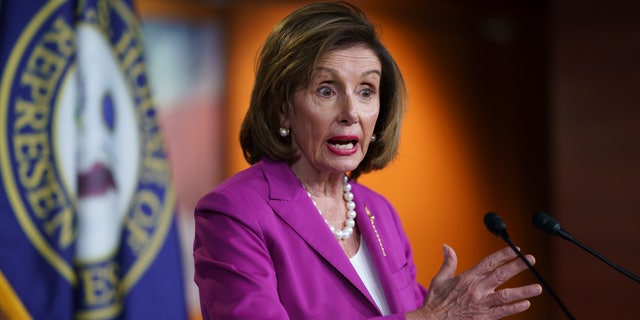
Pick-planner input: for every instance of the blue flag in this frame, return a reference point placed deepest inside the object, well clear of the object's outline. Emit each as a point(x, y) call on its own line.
point(87, 223)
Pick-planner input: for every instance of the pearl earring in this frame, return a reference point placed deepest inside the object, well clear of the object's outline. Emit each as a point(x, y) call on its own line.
point(284, 132)
point(373, 138)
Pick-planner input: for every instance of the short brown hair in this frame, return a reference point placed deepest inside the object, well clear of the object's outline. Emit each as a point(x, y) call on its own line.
point(287, 60)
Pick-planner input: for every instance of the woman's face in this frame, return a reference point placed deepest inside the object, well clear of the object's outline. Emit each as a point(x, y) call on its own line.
point(333, 116)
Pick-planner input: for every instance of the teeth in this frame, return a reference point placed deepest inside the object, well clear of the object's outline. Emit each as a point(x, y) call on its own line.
point(343, 146)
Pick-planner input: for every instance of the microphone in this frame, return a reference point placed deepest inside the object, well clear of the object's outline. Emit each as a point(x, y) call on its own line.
point(551, 226)
point(496, 225)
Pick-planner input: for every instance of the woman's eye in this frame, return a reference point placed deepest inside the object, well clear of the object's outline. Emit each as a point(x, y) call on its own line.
point(325, 91)
point(367, 93)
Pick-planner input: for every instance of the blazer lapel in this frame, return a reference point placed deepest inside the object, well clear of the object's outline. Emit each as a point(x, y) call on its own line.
point(290, 201)
point(370, 226)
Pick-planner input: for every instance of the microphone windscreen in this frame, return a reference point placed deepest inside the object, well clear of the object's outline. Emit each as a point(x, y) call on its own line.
point(546, 223)
point(494, 223)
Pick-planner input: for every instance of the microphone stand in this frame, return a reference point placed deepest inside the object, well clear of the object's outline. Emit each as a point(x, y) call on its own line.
point(549, 225)
point(496, 225)
point(555, 297)
point(569, 238)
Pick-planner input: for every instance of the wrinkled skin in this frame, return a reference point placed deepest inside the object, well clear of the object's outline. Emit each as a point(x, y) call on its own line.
point(472, 294)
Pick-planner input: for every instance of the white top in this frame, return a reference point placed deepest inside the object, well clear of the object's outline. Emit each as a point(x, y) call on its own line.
point(363, 264)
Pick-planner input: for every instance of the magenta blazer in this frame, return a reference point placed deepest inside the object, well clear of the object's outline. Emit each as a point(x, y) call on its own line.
point(262, 251)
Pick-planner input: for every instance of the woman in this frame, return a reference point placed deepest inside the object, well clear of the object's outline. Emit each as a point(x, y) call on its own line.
point(295, 236)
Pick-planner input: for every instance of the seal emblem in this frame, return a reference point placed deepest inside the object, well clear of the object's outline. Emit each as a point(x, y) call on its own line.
point(81, 156)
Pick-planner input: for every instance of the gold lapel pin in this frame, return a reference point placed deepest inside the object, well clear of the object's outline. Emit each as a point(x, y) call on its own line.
point(372, 218)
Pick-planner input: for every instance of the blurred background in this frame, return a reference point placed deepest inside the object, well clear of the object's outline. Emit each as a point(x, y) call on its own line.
point(514, 107)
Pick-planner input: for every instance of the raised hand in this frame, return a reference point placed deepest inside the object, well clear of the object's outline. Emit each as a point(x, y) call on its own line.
point(472, 294)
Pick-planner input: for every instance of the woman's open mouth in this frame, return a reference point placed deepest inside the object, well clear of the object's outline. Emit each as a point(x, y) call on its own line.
point(343, 145)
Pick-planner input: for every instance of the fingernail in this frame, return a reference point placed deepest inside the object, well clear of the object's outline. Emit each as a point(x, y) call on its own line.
point(538, 290)
point(445, 250)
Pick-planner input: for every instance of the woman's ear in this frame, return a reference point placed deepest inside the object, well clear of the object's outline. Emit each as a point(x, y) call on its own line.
point(284, 115)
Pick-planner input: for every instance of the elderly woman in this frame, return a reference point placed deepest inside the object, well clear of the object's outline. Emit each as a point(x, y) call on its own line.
point(295, 236)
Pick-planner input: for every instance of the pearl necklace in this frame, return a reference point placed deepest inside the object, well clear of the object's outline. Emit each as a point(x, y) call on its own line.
point(342, 234)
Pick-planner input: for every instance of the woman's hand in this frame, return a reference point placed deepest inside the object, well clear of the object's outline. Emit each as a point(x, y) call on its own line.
point(473, 294)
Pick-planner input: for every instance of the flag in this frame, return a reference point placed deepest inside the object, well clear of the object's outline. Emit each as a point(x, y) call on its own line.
point(87, 207)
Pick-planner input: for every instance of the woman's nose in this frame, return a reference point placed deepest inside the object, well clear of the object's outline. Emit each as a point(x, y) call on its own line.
point(349, 110)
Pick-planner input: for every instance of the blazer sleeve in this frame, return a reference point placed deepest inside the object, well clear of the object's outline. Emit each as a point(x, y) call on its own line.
point(233, 270)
